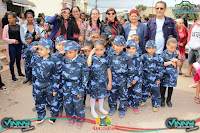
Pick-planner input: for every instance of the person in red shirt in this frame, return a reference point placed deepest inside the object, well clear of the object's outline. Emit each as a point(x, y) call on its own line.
point(182, 40)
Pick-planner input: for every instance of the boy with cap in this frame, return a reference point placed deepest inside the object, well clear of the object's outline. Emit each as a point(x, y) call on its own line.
point(27, 58)
point(44, 74)
point(58, 55)
point(153, 66)
point(118, 61)
point(75, 74)
point(135, 86)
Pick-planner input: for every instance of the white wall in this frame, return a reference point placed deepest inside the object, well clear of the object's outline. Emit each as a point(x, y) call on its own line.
point(48, 7)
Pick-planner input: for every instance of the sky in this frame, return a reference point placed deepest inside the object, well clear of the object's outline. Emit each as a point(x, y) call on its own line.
point(120, 5)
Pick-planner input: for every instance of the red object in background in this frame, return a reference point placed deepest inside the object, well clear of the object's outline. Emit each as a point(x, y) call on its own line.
point(96, 100)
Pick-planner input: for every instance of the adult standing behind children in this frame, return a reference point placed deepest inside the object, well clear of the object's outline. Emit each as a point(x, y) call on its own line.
point(111, 25)
point(75, 23)
point(60, 24)
point(134, 27)
point(11, 35)
point(29, 27)
point(160, 27)
point(92, 24)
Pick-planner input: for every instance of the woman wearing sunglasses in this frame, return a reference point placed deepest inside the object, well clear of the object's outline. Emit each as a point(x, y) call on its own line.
point(111, 24)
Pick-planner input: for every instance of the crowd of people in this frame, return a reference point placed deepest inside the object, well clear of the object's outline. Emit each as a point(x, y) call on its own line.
point(125, 61)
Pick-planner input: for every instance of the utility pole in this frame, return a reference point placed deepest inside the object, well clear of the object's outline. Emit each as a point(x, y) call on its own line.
point(96, 4)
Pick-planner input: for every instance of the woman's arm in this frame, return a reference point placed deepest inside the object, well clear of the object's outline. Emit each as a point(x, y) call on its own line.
point(22, 36)
point(6, 36)
point(52, 20)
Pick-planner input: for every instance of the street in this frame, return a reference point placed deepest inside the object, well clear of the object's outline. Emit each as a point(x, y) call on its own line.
point(17, 103)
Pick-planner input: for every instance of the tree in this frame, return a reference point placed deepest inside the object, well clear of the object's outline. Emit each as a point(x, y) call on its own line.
point(141, 8)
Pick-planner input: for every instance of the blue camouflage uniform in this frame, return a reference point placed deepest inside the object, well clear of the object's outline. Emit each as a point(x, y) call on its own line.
point(119, 68)
point(135, 91)
point(170, 73)
point(26, 55)
point(75, 74)
point(58, 62)
point(107, 49)
point(99, 77)
point(44, 75)
point(152, 72)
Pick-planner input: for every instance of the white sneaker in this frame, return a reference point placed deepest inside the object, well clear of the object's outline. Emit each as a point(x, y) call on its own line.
point(103, 111)
point(39, 121)
point(94, 114)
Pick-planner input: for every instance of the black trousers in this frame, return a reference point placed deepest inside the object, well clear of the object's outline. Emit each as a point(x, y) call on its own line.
point(1, 84)
point(163, 90)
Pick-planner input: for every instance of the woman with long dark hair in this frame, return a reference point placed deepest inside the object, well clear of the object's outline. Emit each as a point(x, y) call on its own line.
point(11, 35)
point(92, 24)
point(75, 23)
point(60, 24)
point(111, 25)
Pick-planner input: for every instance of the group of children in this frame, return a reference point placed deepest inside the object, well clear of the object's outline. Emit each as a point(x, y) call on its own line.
point(119, 71)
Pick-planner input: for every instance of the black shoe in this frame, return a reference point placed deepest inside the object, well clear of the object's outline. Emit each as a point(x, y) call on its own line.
point(163, 103)
point(52, 121)
point(169, 104)
point(21, 75)
point(14, 79)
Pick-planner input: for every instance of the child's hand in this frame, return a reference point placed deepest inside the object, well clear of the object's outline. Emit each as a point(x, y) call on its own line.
point(78, 96)
point(128, 86)
point(174, 60)
point(174, 64)
point(16, 42)
point(157, 82)
point(34, 47)
point(93, 51)
point(109, 86)
point(54, 93)
point(134, 81)
point(181, 44)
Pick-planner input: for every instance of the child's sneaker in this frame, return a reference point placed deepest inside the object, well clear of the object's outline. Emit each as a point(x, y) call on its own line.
point(25, 81)
point(39, 121)
point(112, 111)
point(155, 109)
point(52, 121)
point(71, 122)
point(94, 114)
point(121, 114)
point(103, 111)
point(136, 111)
point(79, 124)
point(142, 104)
point(128, 107)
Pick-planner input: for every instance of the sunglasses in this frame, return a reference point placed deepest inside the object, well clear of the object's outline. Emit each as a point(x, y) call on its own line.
point(111, 13)
point(160, 8)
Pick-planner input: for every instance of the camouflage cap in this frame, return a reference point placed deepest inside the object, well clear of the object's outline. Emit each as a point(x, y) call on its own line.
point(47, 43)
point(150, 43)
point(60, 39)
point(131, 43)
point(119, 40)
point(28, 35)
point(71, 45)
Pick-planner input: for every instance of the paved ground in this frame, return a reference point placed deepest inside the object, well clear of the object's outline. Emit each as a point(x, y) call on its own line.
point(17, 102)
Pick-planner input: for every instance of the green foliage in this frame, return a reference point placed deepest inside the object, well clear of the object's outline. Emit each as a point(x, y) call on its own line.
point(141, 8)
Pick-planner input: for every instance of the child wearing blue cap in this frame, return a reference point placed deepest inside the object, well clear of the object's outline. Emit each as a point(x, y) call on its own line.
point(135, 86)
point(44, 77)
point(100, 77)
point(153, 66)
point(27, 53)
point(58, 55)
point(118, 61)
point(75, 73)
point(170, 74)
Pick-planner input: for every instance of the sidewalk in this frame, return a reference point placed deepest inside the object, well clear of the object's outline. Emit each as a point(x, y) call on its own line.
point(17, 102)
